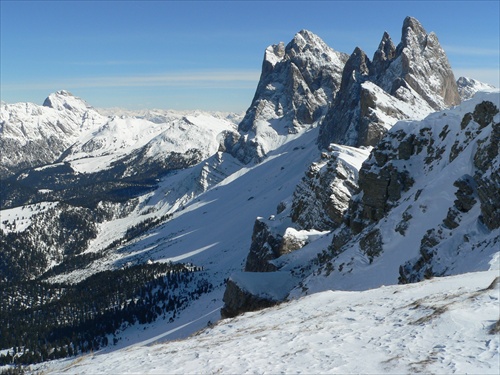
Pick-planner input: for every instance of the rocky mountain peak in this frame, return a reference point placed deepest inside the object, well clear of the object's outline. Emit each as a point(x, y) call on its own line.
point(273, 54)
point(412, 31)
point(305, 40)
point(384, 54)
point(62, 99)
point(425, 66)
point(414, 77)
point(356, 68)
point(297, 84)
point(386, 48)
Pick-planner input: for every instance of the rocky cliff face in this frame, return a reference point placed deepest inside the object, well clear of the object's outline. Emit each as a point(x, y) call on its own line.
point(425, 206)
point(323, 195)
point(476, 196)
point(415, 77)
point(297, 84)
point(444, 169)
point(406, 81)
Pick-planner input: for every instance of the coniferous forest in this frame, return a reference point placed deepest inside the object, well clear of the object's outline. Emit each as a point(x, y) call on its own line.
point(40, 321)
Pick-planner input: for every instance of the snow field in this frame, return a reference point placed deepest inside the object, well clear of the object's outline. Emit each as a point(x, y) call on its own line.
point(437, 326)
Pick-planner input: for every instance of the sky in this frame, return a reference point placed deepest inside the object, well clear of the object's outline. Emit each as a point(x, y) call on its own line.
point(208, 54)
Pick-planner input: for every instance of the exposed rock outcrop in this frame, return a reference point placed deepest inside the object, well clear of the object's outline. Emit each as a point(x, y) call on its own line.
point(237, 300)
point(481, 187)
point(265, 247)
point(416, 74)
point(322, 197)
point(298, 83)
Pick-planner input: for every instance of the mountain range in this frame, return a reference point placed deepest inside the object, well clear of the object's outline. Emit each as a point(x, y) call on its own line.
point(121, 229)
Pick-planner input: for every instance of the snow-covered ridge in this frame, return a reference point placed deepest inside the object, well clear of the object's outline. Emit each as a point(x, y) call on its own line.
point(67, 126)
point(445, 325)
point(122, 136)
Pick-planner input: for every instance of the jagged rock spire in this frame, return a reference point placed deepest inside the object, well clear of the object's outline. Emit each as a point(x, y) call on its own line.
point(416, 72)
point(297, 85)
point(384, 54)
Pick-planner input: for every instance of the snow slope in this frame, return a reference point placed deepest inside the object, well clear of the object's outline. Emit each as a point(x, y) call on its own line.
point(212, 231)
point(421, 209)
point(439, 326)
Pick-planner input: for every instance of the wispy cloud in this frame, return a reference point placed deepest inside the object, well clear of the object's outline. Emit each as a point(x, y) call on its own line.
point(113, 63)
point(201, 79)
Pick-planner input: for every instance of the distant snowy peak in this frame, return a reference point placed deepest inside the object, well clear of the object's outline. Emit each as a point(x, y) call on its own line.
point(467, 87)
point(138, 141)
point(415, 73)
point(34, 135)
point(63, 99)
point(67, 129)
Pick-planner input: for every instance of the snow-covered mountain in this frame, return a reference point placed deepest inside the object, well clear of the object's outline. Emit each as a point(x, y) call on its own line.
point(67, 129)
point(467, 87)
point(424, 206)
point(163, 220)
point(33, 135)
point(409, 80)
point(297, 85)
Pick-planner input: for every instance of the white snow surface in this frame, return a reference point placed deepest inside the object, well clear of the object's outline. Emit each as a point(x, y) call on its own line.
point(440, 326)
point(120, 136)
point(19, 218)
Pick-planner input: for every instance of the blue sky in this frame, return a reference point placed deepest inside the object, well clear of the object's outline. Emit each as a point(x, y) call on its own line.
point(208, 54)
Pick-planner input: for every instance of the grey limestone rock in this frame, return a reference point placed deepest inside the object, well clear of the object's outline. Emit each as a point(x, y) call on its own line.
point(237, 301)
point(322, 197)
point(265, 246)
point(417, 71)
point(298, 82)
